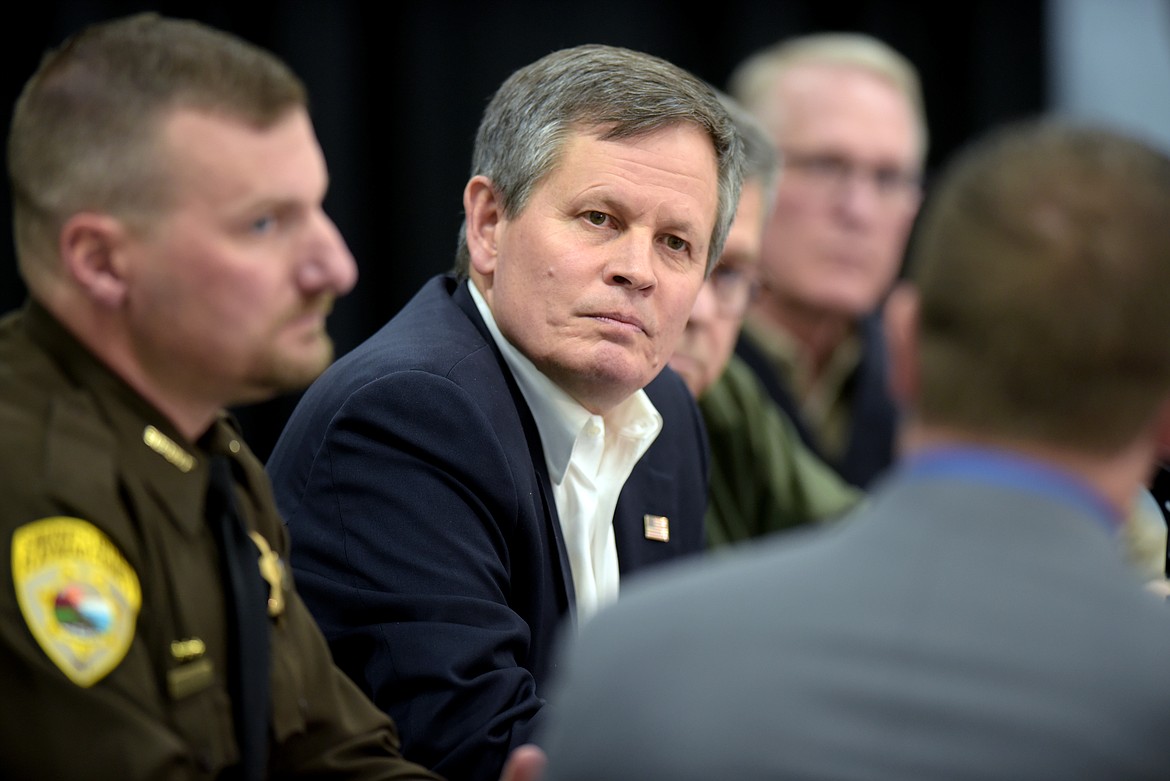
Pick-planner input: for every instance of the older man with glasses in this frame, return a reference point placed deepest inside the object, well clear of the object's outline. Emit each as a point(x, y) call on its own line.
point(763, 477)
point(846, 112)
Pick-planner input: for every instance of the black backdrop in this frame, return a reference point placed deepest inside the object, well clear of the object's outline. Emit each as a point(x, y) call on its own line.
point(397, 89)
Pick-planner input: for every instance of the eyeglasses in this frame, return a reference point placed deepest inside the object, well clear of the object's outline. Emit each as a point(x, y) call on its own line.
point(832, 173)
point(733, 288)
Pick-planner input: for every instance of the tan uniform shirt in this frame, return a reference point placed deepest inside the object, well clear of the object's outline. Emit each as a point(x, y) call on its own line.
point(825, 403)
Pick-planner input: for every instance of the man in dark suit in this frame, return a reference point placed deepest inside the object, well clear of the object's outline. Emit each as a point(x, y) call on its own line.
point(974, 619)
point(452, 485)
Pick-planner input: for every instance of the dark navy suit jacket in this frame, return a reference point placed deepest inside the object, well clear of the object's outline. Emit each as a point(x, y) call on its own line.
point(425, 537)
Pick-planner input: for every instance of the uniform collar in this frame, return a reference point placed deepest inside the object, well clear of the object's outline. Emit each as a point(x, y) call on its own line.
point(149, 448)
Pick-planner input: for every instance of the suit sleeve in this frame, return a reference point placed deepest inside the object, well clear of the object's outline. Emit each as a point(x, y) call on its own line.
point(407, 549)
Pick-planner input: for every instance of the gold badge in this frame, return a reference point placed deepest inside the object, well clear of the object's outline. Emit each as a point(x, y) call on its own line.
point(272, 570)
point(656, 527)
point(78, 594)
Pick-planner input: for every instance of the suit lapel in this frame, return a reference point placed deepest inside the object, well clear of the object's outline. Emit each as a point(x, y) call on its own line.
point(464, 301)
point(648, 493)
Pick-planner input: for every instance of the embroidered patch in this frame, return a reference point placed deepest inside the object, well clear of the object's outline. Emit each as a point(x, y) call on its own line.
point(79, 596)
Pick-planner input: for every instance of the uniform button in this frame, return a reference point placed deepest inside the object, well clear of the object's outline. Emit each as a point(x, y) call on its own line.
point(234, 446)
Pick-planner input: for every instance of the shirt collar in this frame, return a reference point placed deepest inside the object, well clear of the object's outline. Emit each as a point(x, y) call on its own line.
point(559, 417)
point(1012, 470)
point(147, 444)
point(786, 355)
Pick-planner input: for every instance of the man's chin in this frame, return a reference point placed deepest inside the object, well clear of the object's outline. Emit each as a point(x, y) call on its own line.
point(599, 387)
point(293, 373)
point(848, 301)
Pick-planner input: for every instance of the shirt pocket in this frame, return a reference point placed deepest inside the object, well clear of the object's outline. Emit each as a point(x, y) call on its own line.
point(201, 712)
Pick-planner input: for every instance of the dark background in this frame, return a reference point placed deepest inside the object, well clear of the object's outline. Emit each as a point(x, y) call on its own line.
point(396, 91)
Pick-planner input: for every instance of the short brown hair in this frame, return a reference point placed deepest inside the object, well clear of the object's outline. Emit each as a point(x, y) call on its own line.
point(84, 129)
point(1043, 262)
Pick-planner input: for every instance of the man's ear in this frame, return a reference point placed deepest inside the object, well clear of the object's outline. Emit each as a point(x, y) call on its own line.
point(91, 254)
point(484, 213)
point(901, 331)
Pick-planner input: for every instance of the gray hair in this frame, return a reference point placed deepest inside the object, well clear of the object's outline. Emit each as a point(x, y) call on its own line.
point(624, 93)
point(752, 80)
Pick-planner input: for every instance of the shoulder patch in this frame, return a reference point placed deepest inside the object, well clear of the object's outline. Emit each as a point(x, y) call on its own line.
point(78, 594)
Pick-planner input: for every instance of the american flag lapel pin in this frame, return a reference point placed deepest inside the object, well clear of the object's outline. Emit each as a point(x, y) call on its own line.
point(656, 527)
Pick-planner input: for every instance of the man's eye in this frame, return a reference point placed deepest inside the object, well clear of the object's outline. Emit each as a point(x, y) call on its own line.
point(596, 218)
point(891, 179)
point(827, 165)
point(675, 243)
point(263, 224)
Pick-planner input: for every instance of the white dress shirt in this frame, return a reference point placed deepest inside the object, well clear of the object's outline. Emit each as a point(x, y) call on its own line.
point(589, 458)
